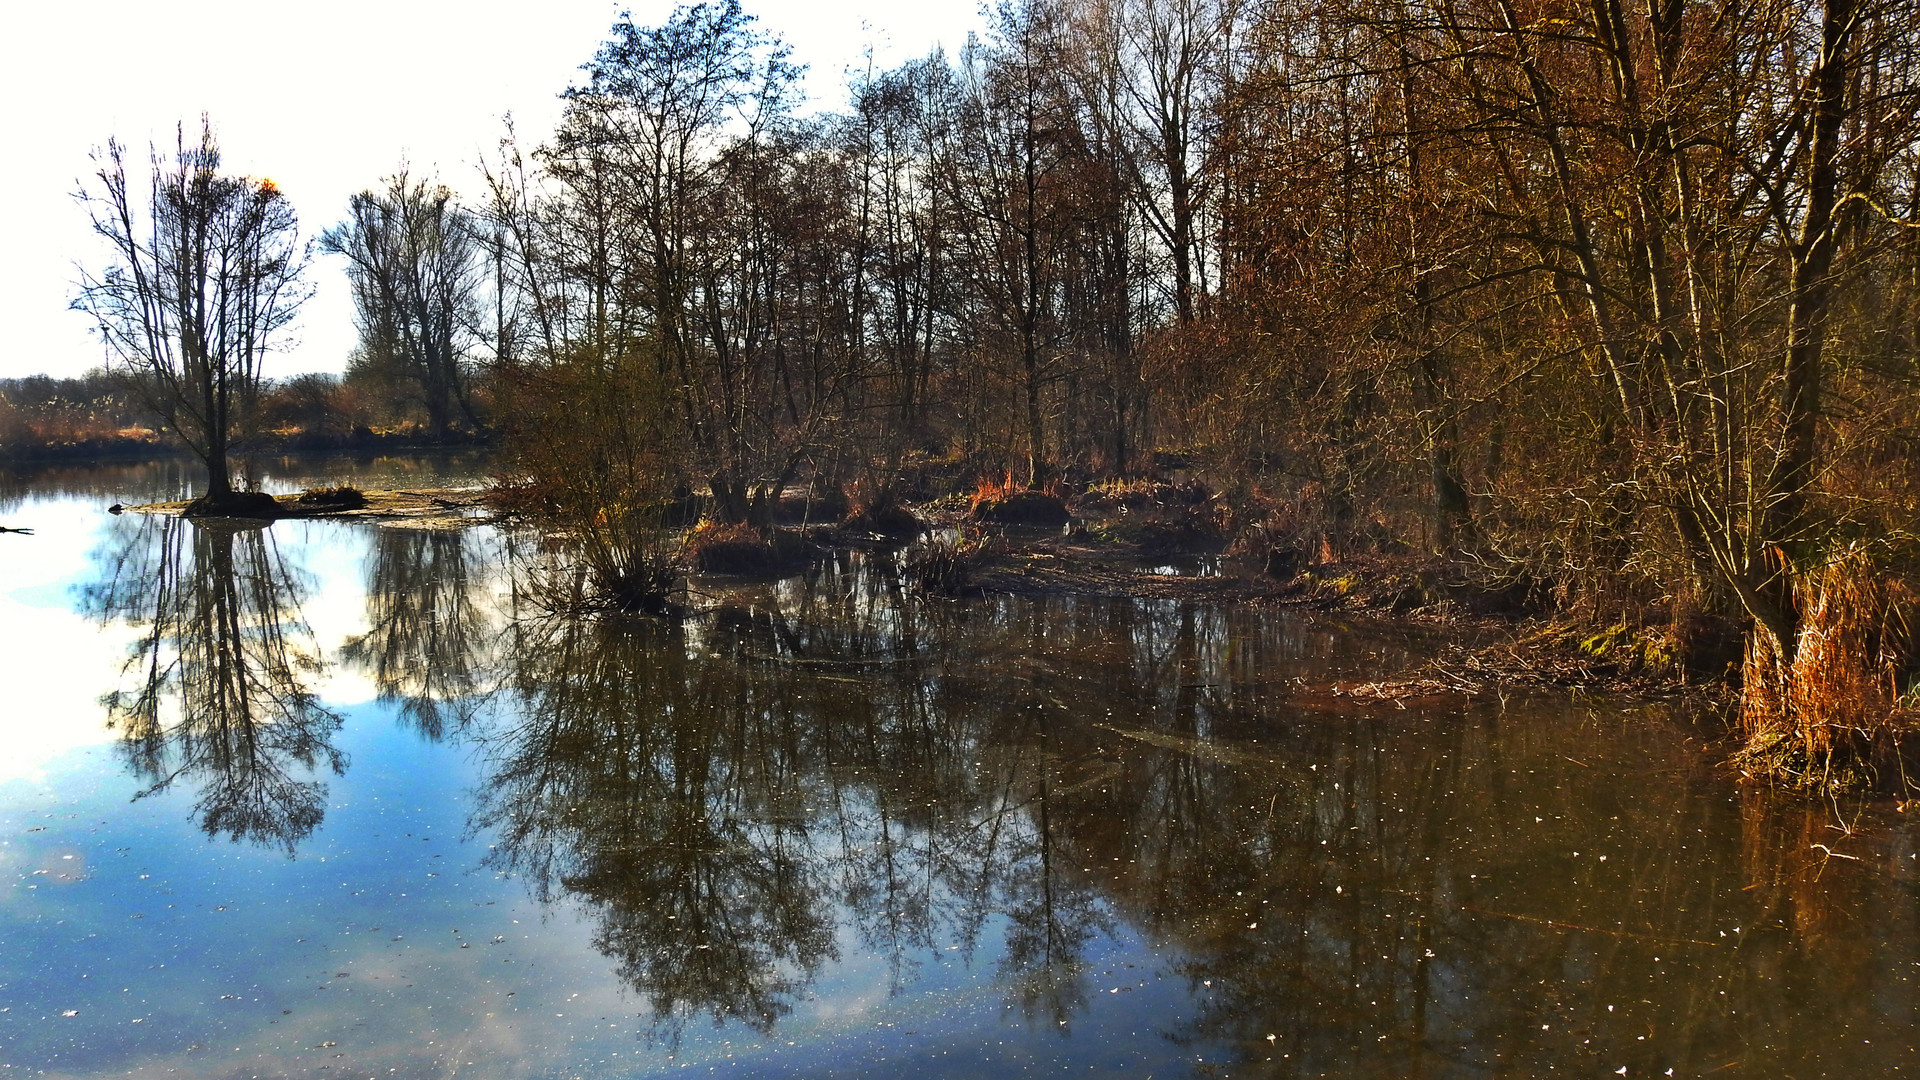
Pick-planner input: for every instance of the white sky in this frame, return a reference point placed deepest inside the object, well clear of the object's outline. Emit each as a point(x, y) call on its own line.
point(326, 99)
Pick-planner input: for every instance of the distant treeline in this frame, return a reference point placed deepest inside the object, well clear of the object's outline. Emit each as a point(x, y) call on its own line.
point(103, 414)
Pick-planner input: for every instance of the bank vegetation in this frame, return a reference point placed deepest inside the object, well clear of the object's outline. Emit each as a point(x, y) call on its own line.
point(1606, 309)
point(1609, 307)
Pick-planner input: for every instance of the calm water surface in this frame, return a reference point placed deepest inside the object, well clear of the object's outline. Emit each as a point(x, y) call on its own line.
point(333, 800)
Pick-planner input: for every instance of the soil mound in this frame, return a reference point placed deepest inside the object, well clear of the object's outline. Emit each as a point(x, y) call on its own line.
point(1021, 508)
point(743, 549)
point(890, 520)
point(333, 498)
point(238, 504)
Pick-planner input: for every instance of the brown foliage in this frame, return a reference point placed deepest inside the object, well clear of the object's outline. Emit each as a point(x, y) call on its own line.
point(1830, 711)
point(1007, 502)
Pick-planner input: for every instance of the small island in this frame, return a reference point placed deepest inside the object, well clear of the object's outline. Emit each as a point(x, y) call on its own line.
point(437, 508)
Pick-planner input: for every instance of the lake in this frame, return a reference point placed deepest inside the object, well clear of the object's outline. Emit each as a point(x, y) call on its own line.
point(330, 799)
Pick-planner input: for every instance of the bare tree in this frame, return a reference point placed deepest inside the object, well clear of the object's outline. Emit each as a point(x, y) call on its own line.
point(413, 260)
point(205, 272)
point(1153, 69)
point(1013, 202)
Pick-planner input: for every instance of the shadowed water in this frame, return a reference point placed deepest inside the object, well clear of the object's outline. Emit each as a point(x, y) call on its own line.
point(325, 799)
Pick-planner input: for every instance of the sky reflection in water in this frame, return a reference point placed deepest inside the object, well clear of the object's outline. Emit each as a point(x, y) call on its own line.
point(361, 812)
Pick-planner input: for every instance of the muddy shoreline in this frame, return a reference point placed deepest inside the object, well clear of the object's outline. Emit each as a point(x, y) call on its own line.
point(1488, 645)
point(431, 508)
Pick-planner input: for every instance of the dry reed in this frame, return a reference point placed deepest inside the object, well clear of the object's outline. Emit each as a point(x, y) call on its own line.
point(1831, 714)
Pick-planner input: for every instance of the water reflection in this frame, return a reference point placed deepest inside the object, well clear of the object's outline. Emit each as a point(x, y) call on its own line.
point(724, 794)
point(1081, 828)
point(428, 630)
point(150, 481)
point(215, 692)
point(658, 793)
point(1347, 891)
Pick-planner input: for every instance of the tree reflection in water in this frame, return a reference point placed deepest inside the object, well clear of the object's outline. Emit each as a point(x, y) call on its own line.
point(723, 793)
point(635, 779)
point(215, 690)
point(427, 630)
point(1341, 888)
point(825, 764)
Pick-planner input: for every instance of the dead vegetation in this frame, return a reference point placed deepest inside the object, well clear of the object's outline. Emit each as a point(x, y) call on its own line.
point(715, 547)
point(1006, 502)
point(1835, 707)
point(944, 565)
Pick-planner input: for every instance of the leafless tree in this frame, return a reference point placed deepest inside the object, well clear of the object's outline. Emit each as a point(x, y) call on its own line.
point(204, 275)
point(413, 258)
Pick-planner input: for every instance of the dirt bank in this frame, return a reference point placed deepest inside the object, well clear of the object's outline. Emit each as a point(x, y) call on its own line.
point(436, 508)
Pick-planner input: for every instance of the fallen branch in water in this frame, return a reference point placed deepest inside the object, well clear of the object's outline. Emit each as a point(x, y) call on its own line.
point(1558, 925)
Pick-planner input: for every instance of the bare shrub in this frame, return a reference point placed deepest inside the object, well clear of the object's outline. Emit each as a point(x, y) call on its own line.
point(587, 456)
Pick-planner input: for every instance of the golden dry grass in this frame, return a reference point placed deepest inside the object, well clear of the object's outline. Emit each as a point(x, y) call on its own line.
point(1832, 713)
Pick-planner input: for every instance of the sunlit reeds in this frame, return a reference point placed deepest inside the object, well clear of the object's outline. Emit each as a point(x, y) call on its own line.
point(1832, 711)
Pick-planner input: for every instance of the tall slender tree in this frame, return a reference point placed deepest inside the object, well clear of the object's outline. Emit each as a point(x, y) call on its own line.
point(413, 260)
